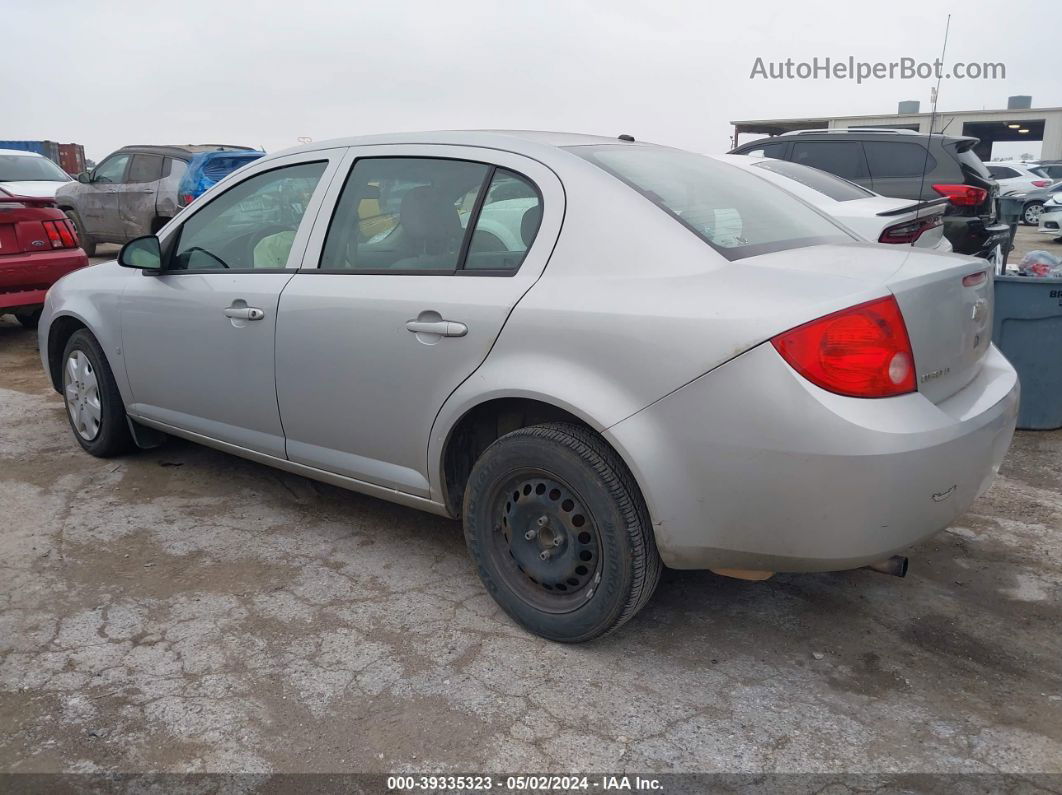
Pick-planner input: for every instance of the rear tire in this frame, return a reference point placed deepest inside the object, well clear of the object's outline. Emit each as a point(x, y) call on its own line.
point(94, 406)
point(88, 245)
point(559, 532)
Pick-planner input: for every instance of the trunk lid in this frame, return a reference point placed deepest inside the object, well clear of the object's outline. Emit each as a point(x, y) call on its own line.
point(947, 306)
point(948, 322)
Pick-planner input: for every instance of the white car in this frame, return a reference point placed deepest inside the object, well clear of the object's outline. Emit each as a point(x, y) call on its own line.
point(30, 174)
point(1051, 217)
point(872, 216)
point(1016, 178)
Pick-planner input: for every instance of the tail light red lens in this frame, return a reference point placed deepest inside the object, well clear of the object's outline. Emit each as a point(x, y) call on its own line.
point(185, 199)
point(962, 195)
point(910, 231)
point(60, 233)
point(862, 351)
point(1041, 183)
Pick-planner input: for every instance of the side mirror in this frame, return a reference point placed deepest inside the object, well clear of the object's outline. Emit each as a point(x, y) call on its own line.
point(85, 177)
point(143, 253)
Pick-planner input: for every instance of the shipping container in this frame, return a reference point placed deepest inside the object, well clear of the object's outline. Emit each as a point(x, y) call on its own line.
point(66, 156)
point(72, 158)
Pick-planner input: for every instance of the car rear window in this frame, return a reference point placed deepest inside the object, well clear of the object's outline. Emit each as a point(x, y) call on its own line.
point(827, 184)
point(735, 212)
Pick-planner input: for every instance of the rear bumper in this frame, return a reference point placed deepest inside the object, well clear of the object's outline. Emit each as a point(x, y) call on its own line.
point(752, 467)
point(25, 278)
point(969, 235)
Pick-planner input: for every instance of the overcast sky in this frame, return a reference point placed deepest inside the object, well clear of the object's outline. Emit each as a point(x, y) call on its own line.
point(107, 74)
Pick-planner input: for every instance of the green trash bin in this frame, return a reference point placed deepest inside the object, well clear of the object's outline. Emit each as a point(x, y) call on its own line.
point(1027, 327)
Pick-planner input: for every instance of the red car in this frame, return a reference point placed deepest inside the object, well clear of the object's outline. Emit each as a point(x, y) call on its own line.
point(38, 245)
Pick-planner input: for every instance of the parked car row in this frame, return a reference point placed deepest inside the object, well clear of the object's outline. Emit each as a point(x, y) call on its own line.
point(50, 224)
point(908, 165)
point(138, 189)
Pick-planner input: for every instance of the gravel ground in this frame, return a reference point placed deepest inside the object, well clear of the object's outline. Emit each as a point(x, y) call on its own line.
point(184, 610)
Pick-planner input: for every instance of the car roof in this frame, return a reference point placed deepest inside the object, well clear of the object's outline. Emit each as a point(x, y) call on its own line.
point(179, 150)
point(877, 134)
point(21, 152)
point(520, 141)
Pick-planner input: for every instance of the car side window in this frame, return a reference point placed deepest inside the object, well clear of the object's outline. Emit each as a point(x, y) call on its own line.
point(843, 158)
point(507, 224)
point(776, 151)
point(252, 225)
point(145, 168)
point(175, 167)
point(111, 170)
point(898, 159)
point(402, 214)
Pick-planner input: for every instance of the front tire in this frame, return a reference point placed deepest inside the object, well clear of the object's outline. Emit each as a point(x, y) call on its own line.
point(94, 406)
point(559, 532)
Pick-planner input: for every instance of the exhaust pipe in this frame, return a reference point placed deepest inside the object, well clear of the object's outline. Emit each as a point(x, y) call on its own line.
point(896, 566)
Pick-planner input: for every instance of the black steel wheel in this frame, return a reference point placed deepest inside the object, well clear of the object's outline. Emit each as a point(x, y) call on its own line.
point(559, 532)
point(546, 544)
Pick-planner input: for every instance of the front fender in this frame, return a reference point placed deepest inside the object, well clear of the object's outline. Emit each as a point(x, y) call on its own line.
point(92, 297)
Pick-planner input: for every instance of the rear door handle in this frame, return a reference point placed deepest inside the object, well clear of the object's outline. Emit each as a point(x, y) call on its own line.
point(444, 328)
point(244, 313)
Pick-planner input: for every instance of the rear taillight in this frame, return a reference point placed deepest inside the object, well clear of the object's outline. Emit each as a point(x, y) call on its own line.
point(1041, 183)
point(862, 351)
point(962, 195)
point(910, 231)
point(185, 199)
point(60, 233)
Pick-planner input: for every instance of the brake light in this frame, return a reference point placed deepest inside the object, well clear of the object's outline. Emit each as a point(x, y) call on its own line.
point(186, 199)
point(962, 195)
point(862, 351)
point(1041, 183)
point(910, 231)
point(60, 233)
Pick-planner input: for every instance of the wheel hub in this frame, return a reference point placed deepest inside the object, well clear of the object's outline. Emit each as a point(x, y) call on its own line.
point(82, 393)
point(550, 538)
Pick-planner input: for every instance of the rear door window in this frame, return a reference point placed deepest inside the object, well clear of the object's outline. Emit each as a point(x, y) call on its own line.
point(1002, 172)
point(735, 212)
point(898, 159)
point(843, 158)
point(145, 168)
point(405, 215)
point(507, 224)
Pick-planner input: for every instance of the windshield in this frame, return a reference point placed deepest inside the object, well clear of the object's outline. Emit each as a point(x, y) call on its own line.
point(27, 168)
point(735, 212)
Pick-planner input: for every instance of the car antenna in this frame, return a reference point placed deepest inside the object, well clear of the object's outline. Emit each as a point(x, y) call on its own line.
point(626, 137)
point(933, 113)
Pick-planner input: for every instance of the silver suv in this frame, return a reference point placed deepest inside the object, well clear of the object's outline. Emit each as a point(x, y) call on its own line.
point(133, 192)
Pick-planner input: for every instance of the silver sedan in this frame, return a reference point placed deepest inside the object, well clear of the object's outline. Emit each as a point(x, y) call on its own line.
point(602, 356)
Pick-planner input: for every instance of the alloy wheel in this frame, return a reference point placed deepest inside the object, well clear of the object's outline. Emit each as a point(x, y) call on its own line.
point(1033, 213)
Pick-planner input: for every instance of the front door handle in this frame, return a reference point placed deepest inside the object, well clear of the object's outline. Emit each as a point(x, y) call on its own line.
point(444, 328)
point(244, 313)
